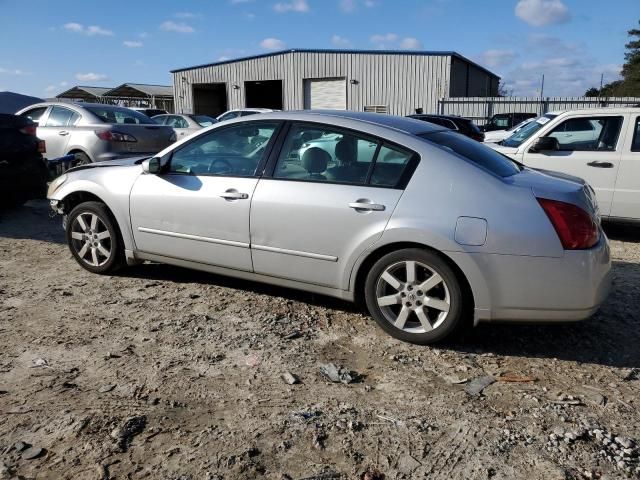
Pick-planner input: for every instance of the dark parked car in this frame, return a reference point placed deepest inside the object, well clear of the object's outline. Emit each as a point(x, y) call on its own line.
point(462, 125)
point(23, 173)
point(505, 121)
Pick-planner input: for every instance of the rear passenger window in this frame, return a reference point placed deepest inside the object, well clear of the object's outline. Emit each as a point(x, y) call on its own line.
point(390, 166)
point(635, 146)
point(60, 117)
point(34, 114)
point(588, 134)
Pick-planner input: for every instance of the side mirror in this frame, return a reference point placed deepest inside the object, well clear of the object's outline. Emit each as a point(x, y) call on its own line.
point(545, 144)
point(151, 165)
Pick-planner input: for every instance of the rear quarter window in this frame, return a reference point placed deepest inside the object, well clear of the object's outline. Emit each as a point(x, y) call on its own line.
point(474, 152)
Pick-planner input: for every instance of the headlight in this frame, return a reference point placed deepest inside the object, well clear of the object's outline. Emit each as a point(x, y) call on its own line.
point(57, 182)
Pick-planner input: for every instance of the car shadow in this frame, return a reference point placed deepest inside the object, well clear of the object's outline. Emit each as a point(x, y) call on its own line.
point(31, 221)
point(623, 232)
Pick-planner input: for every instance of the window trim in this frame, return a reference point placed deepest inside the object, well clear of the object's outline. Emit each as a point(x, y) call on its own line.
point(590, 117)
point(259, 167)
point(402, 183)
point(636, 135)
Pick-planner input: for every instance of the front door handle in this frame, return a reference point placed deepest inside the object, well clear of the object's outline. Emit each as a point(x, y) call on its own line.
point(232, 194)
point(600, 164)
point(365, 206)
point(63, 133)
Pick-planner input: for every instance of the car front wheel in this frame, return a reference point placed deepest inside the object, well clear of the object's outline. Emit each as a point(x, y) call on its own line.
point(414, 296)
point(93, 238)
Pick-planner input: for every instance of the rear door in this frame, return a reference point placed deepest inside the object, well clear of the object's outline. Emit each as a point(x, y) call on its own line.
point(198, 208)
point(626, 198)
point(57, 129)
point(322, 205)
point(589, 148)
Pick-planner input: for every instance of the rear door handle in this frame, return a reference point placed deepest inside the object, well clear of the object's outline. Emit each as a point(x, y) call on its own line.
point(367, 206)
point(600, 164)
point(63, 133)
point(234, 195)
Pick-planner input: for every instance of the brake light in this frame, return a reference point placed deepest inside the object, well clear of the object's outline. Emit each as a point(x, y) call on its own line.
point(109, 136)
point(576, 229)
point(29, 130)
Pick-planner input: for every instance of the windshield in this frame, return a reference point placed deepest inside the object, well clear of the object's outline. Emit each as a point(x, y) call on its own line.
point(204, 120)
point(522, 135)
point(473, 151)
point(109, 114)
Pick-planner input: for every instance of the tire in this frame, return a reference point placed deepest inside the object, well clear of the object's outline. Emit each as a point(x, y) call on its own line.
point(424, 309)
point(81, 159)
point(95, 244)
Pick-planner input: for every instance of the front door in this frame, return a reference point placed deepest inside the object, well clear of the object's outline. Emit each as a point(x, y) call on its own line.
point(626, 199)
point(330, 196)
point(56, 130)
point(589, 148)
point(197, 209)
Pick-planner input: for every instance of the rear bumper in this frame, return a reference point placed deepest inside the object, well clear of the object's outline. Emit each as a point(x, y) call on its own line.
point(542, 289)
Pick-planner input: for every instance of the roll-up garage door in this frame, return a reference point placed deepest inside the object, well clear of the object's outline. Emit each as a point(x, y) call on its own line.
point(325, 93)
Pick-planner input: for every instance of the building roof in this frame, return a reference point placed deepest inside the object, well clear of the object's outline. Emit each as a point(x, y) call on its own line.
point(84, 92)
point(366, 52)
point(140, 90)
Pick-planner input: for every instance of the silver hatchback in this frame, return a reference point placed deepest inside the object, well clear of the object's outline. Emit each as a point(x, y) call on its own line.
point(96, 132)
point(425, 227)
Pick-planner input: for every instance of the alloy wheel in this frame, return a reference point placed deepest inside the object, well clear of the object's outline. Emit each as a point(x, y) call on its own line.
point(91, 239)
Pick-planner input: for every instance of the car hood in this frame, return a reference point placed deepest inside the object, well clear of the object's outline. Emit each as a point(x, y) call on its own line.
point(121, 162)
point(502, 149)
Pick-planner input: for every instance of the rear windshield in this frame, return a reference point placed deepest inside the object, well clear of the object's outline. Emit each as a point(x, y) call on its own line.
point(203, 120)
point(473, 151)
point(120, 115)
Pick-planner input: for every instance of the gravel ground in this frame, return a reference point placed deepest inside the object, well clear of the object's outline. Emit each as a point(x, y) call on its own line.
point(165, 373)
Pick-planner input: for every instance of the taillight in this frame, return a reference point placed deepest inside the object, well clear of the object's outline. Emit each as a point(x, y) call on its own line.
point(42, 147)
point(109, 136)
point(29, 130)
point(576, 229)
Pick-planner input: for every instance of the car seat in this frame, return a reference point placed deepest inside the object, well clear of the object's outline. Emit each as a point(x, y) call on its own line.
point(315, 161)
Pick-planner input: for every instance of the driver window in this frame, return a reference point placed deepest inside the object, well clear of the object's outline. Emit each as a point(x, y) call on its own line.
point(233, 151)
point(588, 134)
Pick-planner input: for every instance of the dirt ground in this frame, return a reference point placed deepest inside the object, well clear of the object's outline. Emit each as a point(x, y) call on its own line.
point(165, 373)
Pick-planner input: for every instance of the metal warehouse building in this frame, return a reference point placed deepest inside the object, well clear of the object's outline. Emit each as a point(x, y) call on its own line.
point(396, 82)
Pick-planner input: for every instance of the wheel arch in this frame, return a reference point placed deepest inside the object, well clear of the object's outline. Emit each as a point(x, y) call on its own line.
point(361, 270)
point(75, 150)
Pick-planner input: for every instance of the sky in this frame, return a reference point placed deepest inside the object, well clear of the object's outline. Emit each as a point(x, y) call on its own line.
point(48, 46)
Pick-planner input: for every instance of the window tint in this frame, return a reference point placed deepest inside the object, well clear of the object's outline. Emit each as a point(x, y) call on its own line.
point(229, 116)
point(635, 146)
point(34, 114)
point(322, 154)
point(390, 166)
point(203, 120)
point(246, 113)
point(588, 133)
point(60, 117)
point(160, 119)
point(109, 114)
point(502, 121)
point(234, 151)
point(177, 122)
point(473, 151)
point(522, 135)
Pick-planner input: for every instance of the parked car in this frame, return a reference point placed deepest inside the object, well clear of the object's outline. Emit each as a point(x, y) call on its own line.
point(496, 136)
point(242, 112)
point(452, 122)
point(23, 174)
point(149, 112)
point(505, 121)
point(95, 132)
point(600, 145)
point(438, 230)
point(185, 124)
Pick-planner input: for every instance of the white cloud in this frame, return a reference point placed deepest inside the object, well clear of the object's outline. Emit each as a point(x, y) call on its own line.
point(91, 30)
point(91, 77)
point(411, 43)
point(179, 27)
point(64, 83)
point(497, 58)
point(384, 40)
point(144, 35)
point(273, 44)
point(51, 89)
point(187, 15)
point(539, 13)
point(14, 71)
point(132, 44)
point(223, 58)
point(341, 42)
point(300, 6)
point(349, 6)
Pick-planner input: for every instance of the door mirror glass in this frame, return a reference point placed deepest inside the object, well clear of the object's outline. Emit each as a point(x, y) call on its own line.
point(545, 144)
point(151, 165)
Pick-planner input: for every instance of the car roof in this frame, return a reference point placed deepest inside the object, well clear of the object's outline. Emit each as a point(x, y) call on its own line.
point(597, 110)
point(403, 124)
point(435, 115)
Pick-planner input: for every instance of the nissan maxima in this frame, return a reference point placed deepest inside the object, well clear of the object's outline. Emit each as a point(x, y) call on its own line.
point(430, 230)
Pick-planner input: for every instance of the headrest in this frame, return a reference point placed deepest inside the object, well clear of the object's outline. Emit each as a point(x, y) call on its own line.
point(315, 160)
point(345, 151)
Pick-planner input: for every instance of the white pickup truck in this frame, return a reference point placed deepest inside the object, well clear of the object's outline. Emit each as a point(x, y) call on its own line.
point(601, 145)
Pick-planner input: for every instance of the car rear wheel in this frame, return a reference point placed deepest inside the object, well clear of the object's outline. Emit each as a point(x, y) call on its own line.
point(93, 238)
point(414, 296)
point(81, 159)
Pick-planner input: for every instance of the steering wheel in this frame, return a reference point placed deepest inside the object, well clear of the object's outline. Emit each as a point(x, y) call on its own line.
point(223, 166)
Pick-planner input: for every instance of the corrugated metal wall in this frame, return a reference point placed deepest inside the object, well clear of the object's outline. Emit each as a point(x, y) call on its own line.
point(400, 82)
point(480, 109)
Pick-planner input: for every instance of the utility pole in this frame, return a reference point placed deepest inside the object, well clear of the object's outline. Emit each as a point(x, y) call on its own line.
point(542, 112)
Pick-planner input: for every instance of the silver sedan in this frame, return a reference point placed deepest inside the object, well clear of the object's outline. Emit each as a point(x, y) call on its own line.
point(430, 230)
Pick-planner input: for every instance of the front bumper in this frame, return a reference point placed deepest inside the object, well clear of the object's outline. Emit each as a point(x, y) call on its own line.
point(544, 289)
